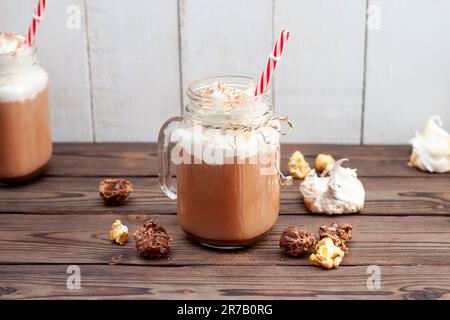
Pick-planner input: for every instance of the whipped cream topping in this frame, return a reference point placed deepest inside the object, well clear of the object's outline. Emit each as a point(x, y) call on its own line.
point(336, 191)
point(11, 42)
point(431, 147)
point(225, 96)
point(215, 146)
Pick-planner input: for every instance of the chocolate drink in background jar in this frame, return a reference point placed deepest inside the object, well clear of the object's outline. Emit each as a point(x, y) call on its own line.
point(226, 151)
point(25, 135)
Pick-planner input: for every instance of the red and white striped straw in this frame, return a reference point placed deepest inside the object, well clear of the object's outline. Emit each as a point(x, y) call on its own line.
point(37, 17)
point(263, 82)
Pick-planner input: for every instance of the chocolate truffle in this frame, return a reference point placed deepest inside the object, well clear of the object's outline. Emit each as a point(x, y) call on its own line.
point(152, 241)
point(296, 242)
point(115, 191)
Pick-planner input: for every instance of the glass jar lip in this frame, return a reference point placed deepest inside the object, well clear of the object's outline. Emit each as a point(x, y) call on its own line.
point(194, 95)
point(211, 110)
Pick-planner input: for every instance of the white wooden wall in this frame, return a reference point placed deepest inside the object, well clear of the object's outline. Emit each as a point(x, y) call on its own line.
point(354, 71)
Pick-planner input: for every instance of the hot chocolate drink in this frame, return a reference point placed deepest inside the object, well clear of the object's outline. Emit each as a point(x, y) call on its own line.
point(231, 204)
point(25, 137)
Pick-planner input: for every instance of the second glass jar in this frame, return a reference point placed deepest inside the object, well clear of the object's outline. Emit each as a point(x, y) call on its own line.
point(25, 133)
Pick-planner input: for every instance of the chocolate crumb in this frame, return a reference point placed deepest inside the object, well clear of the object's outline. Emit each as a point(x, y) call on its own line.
point(118, 259)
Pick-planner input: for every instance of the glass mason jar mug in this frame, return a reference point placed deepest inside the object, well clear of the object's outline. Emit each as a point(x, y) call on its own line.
point(25, 137)
point(226, 153)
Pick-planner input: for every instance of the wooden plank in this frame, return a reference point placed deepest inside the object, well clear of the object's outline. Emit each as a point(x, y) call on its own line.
point(65, 195)
point(139, 159)
point(320, 83)
point(134, 66)
point(407, 66)
point(83, 239)
point(384, 196)
point(63, 53)
point(239, 282)
point(103, 159)
point(224, 37)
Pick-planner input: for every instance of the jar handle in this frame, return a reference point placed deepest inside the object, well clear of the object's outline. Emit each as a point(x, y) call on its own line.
point(166, 182)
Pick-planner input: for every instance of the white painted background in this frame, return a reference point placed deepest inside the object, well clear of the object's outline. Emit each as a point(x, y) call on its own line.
point(354, 71)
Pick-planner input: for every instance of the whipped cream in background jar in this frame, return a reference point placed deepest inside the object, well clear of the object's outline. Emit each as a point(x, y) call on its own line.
point(25, 133)
point(226, 151)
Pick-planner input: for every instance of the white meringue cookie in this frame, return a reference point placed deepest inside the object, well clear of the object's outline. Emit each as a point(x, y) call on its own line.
point(336, 191)
point(431, 148)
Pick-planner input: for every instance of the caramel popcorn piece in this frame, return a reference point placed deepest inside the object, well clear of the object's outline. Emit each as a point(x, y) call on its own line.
point(327, 255)
point(118, 233)
point(340, 234)
point(296, 242)
point(324, 161)
point(298, 167)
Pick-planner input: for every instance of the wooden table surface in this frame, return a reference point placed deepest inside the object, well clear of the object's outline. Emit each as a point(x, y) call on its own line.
point(59, 220)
